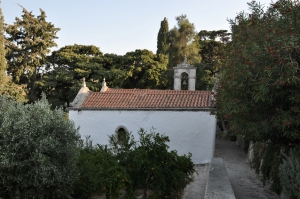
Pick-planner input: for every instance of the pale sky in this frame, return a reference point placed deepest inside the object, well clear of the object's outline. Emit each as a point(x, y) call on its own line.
point(120, 26)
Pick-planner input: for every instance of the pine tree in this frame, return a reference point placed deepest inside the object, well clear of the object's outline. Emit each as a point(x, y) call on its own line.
point(183, 41)
point(211, 43)
point(162, 38)
point(29, 41)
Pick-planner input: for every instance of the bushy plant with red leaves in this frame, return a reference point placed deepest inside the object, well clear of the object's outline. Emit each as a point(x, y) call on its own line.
point(258, 93)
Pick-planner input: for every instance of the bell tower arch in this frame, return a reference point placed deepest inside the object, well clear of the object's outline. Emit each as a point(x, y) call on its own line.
point(184, 76)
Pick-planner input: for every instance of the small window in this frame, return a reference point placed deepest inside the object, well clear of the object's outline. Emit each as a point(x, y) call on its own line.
point(121, 134)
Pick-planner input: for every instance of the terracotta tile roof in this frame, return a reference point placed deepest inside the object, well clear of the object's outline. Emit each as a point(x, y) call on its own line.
point(147, 99)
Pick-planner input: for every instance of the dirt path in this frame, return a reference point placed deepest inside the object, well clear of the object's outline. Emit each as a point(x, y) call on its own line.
point(244, 181)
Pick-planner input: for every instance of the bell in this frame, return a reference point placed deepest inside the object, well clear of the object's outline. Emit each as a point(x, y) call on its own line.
point(184, 82)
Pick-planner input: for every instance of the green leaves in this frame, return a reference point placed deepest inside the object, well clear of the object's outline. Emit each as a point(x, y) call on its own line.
point(144, 69)
point(289, 173)
point(183, 41)
point(260, 69)
point(259, 86)
point(151, 166)
point(38, 150)
point(28, 41)
point(136, 167)
point(162, 38)
point(100, 173)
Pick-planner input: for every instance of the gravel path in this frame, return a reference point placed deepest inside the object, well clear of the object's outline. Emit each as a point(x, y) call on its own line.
point(244, 181)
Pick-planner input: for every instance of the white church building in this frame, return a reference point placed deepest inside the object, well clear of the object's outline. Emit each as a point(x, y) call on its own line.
point(183, 115)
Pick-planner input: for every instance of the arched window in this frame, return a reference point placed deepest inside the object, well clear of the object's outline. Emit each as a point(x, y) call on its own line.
point(121, 134)
point(184, 81)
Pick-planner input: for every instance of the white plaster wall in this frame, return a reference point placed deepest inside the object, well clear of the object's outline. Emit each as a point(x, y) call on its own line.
point(189, 131)
point(192, 84)
point(177, 83)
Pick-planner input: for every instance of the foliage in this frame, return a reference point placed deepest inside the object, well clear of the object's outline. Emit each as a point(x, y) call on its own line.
point(266, 161)
point(144, 69)
point(38, 149)
point(3, 65)
point(7, 87)
point(59, 86)
point(258, 92)
point(151, 166)
point(65, 68)
point(289, 173)
point(29, 41)
point(162, 38)
point(133, 168)
point(183, 41)
point(68, 65)
point(211, 44)
point(100, 173)
point(13, 91)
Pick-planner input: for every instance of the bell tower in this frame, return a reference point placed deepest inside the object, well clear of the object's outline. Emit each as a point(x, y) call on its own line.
point(184, 76)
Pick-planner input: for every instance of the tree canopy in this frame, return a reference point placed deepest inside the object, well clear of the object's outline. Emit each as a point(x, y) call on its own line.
point(28, 41)
point(258, 91)
point(144, 69)
point(38, 151)
point(183, 41)
point(68, 65)
point(211, 44)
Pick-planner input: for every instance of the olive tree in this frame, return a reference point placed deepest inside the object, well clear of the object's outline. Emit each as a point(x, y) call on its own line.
point(38, 151)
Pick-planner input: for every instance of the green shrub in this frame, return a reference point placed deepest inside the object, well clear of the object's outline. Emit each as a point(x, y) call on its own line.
point(133, 168)
point(151, 166)
point(100, 173)
point(266, 161)
point(258, 91)
point(38, 150)
point(289, 174)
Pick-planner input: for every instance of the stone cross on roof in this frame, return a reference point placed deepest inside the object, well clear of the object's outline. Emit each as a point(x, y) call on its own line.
point(185, 60)
point(103, 82)
point(184, 63)
point(104, 87)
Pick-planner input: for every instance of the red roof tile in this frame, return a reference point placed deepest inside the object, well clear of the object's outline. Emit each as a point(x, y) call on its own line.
point(147, 99)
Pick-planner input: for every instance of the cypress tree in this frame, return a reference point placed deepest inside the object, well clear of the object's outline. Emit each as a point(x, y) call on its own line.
point(162, 37)
point(2, 51)
point(7, 87)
